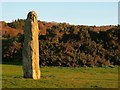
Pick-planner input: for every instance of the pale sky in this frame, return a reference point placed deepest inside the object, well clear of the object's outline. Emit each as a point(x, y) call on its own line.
point(82, 13)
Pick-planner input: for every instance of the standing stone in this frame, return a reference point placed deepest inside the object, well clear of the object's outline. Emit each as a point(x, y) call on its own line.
point(30, 52)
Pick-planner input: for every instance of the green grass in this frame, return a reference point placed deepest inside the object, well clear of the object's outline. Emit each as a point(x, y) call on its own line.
point(61, 77)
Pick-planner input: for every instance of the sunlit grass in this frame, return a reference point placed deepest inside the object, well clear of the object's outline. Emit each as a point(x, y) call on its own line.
point(61, 77)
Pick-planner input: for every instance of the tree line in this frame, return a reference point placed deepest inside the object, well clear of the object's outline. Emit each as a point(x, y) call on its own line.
point(68, 45)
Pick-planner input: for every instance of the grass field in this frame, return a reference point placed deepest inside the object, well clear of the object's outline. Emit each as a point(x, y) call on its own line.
point(61, 77)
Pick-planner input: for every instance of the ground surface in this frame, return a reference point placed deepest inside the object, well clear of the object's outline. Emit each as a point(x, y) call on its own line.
point(61, 77)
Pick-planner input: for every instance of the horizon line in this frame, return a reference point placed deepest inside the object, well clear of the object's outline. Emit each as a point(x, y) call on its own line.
point(98, 25)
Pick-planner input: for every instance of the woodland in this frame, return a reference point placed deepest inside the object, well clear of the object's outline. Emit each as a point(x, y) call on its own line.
point(62, 44)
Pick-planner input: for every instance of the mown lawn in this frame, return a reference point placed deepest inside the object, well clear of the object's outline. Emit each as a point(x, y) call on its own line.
point(61, 77)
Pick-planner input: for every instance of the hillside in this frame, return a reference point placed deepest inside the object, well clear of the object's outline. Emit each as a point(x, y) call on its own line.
point(62, 44)
point(16, 27)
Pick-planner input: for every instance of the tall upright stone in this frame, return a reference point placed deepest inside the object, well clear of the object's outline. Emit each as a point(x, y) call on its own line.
point(30, 51)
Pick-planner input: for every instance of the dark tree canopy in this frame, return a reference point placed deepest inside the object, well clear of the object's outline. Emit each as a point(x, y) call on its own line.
point(68, 45)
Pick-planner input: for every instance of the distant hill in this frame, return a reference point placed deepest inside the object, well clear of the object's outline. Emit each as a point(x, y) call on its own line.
point(62, 44)
point(16, 27)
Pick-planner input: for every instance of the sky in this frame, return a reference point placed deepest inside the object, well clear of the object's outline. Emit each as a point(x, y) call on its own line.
point(60, 0)
point(77, 13)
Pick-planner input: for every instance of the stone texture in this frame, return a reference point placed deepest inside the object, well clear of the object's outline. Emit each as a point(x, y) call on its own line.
point(30, 52)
